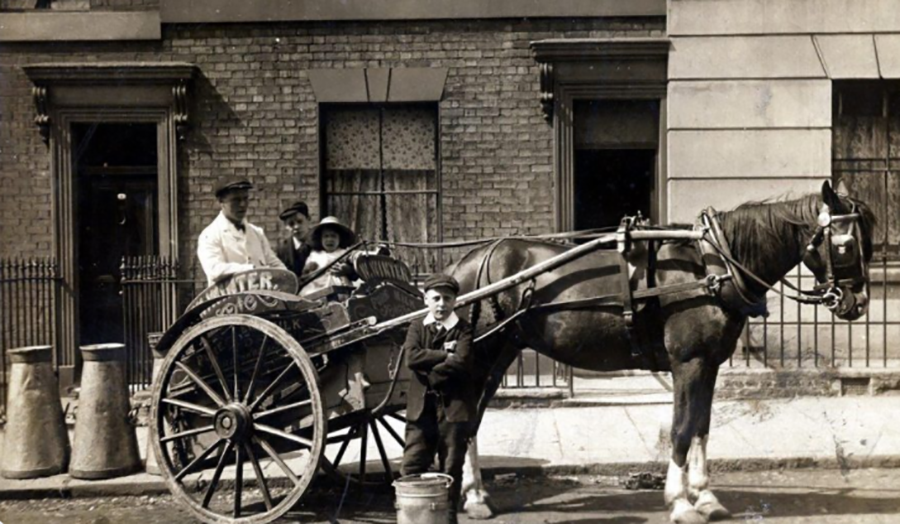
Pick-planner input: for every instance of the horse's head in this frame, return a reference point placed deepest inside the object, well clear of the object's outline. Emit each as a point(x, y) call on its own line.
point(839, 252)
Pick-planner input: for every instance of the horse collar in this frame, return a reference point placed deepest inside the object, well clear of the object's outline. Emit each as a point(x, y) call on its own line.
point(734, 291)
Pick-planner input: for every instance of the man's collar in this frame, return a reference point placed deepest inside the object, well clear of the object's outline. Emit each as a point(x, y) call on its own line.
point(448, 323)
point(238, 227)
point(297, 243)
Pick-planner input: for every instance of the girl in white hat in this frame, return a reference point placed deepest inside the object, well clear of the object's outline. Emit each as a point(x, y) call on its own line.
point(329, 240)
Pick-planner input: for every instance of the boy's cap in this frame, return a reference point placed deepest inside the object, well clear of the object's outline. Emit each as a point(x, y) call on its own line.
point(231, 184)
point(440, 280)
point(297, 207)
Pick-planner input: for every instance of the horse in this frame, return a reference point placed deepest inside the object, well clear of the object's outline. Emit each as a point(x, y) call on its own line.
point(691, 331)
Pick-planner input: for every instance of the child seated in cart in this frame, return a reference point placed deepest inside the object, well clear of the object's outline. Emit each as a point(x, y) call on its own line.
point(441, 401)
point(329, 240)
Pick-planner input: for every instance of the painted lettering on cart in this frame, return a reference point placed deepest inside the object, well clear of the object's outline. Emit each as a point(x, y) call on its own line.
point(377, 268)
point(253, 280)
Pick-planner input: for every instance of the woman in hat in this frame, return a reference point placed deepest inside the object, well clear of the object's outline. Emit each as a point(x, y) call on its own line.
point(329, 240)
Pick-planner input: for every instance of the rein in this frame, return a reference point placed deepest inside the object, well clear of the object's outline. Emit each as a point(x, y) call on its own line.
point(828, 293)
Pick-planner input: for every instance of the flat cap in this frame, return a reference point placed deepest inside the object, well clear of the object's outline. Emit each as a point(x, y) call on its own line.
point(297, 207)
point(440, 280)
point(232, 184)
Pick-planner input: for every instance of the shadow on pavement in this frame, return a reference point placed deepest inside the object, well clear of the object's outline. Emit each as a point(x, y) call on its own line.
point(776, 503)
point(573, 498)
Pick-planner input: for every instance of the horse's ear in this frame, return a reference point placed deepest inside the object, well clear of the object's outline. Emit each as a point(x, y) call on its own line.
point(829, 197)
point(841, 188)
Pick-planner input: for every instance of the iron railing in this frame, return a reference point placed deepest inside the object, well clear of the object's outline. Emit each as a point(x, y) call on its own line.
point(152, 298)
point(29, 294)
point(153, 295)
point(797, 336)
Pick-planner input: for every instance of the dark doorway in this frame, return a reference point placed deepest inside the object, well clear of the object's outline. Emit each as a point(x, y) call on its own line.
point(116, 185)
point(610, 184)
point(616, 145)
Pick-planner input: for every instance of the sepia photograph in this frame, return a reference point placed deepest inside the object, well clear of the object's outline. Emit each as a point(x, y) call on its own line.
point(443, 262)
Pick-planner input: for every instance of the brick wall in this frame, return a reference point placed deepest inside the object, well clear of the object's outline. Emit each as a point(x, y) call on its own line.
point(254, 114)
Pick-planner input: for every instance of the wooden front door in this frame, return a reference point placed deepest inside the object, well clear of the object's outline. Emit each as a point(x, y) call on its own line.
point(117, 216)
point(615, 158)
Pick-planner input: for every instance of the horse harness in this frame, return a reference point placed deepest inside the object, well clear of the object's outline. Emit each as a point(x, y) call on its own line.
point(724, 278)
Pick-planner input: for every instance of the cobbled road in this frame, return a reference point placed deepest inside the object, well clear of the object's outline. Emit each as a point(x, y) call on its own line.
point(777, 497)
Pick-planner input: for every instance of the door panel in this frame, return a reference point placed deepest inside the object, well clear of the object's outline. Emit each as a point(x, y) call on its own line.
point(117, 216)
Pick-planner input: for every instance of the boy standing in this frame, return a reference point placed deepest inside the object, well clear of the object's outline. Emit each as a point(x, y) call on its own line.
point(441, 400)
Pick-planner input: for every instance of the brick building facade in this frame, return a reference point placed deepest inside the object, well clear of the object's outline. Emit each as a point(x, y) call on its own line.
point(689, 103)
point(252, 109)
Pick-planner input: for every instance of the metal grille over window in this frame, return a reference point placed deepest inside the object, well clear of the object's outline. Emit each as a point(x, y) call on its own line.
point(866, 157)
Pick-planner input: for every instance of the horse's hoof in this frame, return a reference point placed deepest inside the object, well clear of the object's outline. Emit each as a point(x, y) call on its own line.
point(478, 509)
point(713, 510)
point(709, 506)
point(684, 513)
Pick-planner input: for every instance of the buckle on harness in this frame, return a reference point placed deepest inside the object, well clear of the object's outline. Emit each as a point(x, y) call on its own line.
point(713, 283)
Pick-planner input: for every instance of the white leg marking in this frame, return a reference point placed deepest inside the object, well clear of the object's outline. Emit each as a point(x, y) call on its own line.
point(705, 501)
point(477, 500)
point(698, 471)
point(683, 511)
point(674, 483)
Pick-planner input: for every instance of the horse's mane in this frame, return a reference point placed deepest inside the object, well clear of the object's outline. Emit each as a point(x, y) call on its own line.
point(753, 224)
point(787, 223)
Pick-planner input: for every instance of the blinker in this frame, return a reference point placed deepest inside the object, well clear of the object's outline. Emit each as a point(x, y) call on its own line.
point(824, 219)
point(844, 250)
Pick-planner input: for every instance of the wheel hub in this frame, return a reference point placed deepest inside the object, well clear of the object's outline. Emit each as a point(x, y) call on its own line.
point(233, 422)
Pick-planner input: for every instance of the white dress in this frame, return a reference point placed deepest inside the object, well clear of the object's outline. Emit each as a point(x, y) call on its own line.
point(318, 259)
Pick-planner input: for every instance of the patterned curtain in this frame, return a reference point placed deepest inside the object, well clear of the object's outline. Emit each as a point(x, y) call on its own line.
point(410, 180)
point(353, 169)
point(381, 175)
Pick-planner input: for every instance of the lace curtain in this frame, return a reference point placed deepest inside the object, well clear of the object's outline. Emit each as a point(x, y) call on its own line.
point(381, 176)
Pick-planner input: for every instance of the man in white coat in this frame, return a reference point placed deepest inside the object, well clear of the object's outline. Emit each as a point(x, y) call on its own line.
point(230, 244)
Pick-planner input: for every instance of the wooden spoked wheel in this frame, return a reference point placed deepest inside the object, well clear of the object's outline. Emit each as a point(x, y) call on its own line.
point(238, 426)
point(365, 449)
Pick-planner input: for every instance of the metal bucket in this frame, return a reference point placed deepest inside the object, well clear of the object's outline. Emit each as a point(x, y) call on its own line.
point(423, 498)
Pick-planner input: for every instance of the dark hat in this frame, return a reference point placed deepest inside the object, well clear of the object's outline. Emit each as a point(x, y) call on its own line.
point(297, 207)
point(231, 184)
point(441, 280)
point(348, 237)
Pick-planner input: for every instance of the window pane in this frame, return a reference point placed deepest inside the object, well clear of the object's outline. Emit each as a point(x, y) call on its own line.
point(352, 138)
point(354, 197)
point(409, 138)
point(380, 175)
point(865, 150)
point(412, 218)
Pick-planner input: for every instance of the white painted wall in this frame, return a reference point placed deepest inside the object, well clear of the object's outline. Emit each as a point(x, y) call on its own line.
point(749, 96)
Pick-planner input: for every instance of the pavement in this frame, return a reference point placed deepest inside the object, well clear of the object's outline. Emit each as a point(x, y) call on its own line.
point(616, 427)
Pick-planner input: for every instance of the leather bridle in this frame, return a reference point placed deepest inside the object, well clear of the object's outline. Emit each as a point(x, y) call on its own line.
point(845, 263)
